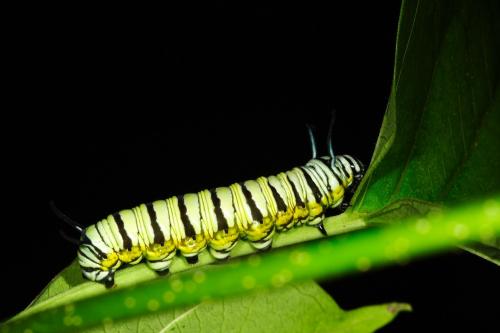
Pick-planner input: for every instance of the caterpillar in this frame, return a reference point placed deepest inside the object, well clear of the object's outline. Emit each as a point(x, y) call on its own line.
point(217, 218)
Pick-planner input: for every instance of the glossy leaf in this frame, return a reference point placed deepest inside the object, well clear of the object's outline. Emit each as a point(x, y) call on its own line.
point(439, 139)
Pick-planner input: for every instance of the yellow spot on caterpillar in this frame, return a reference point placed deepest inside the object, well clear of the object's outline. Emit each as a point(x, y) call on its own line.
point(300, 213)
point(153, 305)
point(337, 193)
point(28, 330)
point(283, 219)
point(159, 252)
point(129, 255)
point(315, 209)
point(258, 231)
point(190, 245)
point(248, 282)
point(198, 277)
point(223, 240)
point(168, 297)
point(363, 264)
point(130, 302)
point(110, 261)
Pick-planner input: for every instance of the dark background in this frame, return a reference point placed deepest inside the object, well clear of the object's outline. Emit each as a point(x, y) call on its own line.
point(122, 109)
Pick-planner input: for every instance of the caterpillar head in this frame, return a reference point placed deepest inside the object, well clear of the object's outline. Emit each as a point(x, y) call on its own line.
point(347, 167)
point(97, 260)
point(357, 168)
point(96, 265)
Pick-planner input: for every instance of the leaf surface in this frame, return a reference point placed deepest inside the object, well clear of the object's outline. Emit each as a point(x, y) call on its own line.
point(310, 307)
point(439, 139)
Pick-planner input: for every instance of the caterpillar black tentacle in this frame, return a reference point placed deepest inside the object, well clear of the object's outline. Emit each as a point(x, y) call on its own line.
point(217, 218)
point(312, 140)
point(65, 218)
point(322, 229)
point(329, 137)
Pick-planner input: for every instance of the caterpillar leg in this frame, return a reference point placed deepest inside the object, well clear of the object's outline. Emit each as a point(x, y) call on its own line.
point(318, 223)
point(136, 261)
point(191, 246)
point(160, 266)
point(105, 277)
point(192, 259)
point(261, 236)
point(222, 252)
point(109, 281)
point(223, 242)
point(159, 256)
point(263, 245)
point(163, 272)
point(322, 229)
point(219, 254)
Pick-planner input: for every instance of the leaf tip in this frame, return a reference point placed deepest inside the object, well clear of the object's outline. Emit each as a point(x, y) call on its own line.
point(399, 307)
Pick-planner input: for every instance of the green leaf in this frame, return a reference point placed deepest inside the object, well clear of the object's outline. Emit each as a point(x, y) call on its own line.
point(311, 308)
point(439, 139)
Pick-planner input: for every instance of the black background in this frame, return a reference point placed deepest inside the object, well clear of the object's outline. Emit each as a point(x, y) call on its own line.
point(120, 109)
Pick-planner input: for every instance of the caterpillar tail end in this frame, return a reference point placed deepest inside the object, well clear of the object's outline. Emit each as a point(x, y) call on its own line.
point(322, 229)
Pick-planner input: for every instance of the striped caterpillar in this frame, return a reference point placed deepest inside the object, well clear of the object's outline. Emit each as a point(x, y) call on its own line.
point(216, 218)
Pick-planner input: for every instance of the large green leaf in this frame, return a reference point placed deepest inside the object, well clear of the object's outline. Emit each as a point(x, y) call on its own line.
point(311, 308)
point(440, 133)
point(439, 139)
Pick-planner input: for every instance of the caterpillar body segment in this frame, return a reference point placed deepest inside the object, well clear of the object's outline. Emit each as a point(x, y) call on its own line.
point(216, 219)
